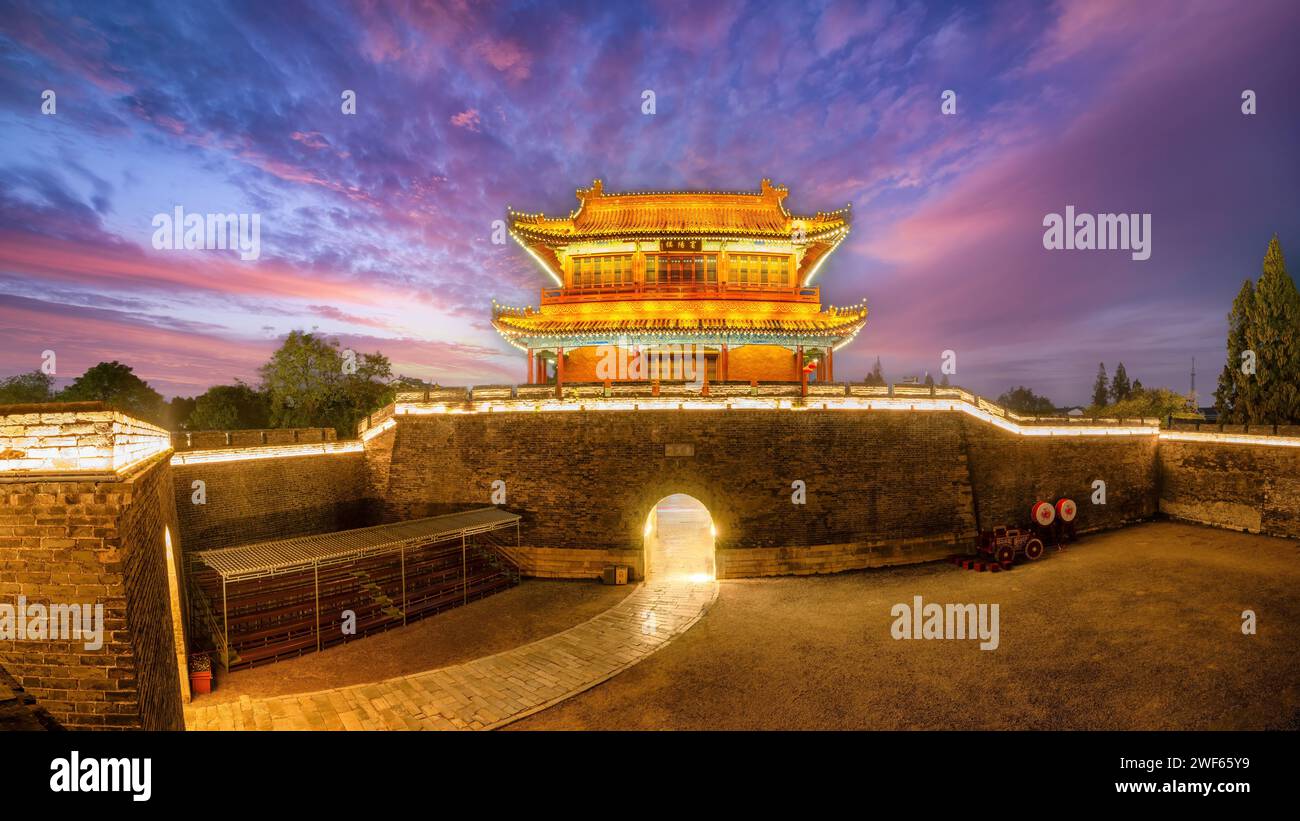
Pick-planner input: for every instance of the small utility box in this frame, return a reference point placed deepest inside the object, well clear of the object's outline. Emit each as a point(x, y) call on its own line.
point(614, 574)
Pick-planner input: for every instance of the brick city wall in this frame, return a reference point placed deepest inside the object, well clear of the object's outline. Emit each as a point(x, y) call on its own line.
point(66, 541)
point(1255, 488)
point(250, 500)
point(1010, 472)
point(588, 480)
point(154, 629)
point(883, 487)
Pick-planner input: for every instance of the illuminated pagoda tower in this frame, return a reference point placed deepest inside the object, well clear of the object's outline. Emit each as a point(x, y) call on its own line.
point(727, 276)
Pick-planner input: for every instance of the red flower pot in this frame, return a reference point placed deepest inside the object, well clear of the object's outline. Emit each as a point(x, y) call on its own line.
point(201, 682)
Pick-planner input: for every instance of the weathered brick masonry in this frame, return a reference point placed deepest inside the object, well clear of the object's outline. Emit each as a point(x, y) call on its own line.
point(95, 542)
point(85, 506)
point(1009, 472)
point(1245, 487)
point(882, 486)
point(251, 500)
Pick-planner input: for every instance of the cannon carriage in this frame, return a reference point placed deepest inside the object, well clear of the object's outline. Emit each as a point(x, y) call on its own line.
point(1003, 544)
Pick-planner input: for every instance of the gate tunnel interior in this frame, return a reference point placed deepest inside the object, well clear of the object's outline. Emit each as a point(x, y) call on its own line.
point(679, 539)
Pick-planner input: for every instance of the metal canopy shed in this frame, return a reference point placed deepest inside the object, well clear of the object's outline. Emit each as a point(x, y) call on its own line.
point(302, 554)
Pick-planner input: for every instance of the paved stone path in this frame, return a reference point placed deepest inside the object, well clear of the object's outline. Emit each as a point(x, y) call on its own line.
point(492, 691)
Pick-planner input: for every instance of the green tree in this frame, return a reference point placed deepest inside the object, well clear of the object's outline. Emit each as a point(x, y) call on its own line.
point(1101, 388)
point(27, 388)
point(877, 375)
point(1120, 388)
point(1148, 402)
point(1025, 402)
point(1236, 394)
point(366, 390)
point(179, 410)
point(929, 380)
point(411, 383)
point(300, 379)
point(309, 382)
point(1273, 333)
point(117, 385)
point(230, 407)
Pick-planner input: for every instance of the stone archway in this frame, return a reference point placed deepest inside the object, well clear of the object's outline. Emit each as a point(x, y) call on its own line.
point(679, 539)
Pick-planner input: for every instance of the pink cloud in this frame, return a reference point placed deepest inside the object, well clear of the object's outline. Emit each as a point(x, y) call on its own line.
point(311, 139)
point(467, 119)
point(199, 271)
point(506, 56)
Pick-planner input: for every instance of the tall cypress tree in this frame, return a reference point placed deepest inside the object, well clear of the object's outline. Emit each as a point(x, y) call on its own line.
point(1273, 333)
point(1236, 393)
point(877, 375)
point(1119, 385)
point(1101, 388)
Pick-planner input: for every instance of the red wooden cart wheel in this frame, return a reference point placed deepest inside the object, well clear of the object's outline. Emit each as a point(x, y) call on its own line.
point(1044, 514)
point(1066, 510)
point(1033, 549)
point(1004, 554)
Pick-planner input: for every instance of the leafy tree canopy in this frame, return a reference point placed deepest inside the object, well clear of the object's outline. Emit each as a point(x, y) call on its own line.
point(1026, 403)
point(310, 382)
point(117, 385)
point(230, 407)
point(26, 388)
point(1145, 402)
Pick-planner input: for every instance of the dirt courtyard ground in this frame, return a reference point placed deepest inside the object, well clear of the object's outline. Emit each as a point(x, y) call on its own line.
point(1133, 629)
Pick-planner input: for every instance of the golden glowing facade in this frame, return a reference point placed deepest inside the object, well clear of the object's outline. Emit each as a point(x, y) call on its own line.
point(720, 278)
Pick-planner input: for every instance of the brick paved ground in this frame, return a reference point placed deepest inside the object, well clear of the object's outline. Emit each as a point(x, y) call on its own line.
point(491, 691)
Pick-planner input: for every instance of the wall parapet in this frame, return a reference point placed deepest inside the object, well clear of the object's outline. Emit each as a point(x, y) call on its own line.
point(412, 405)
point(250, 437)
point(74, 439)
point(655, 395)
point(1239, 434)
point(237, 454)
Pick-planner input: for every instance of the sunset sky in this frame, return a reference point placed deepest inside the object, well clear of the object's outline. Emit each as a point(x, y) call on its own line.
point(377, 227)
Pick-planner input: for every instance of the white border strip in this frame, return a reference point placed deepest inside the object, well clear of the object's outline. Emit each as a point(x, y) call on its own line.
point(759, 403)
point(1231, 438)
point(199, 457)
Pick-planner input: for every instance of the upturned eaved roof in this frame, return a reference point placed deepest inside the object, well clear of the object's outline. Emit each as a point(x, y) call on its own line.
point(651, 214)
point(680, 319)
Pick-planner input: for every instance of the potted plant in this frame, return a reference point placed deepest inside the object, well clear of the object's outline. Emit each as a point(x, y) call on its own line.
point(200, 674)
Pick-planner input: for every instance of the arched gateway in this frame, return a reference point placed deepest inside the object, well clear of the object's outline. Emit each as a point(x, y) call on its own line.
point(679, 537)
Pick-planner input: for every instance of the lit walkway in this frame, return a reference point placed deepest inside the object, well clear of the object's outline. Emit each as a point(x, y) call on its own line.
point(491, 691)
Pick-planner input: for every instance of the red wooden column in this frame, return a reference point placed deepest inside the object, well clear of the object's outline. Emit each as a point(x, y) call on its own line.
point(803, 377)
point(726, 364)
point(559, 373)
point(530, 366)
point(830, 364)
